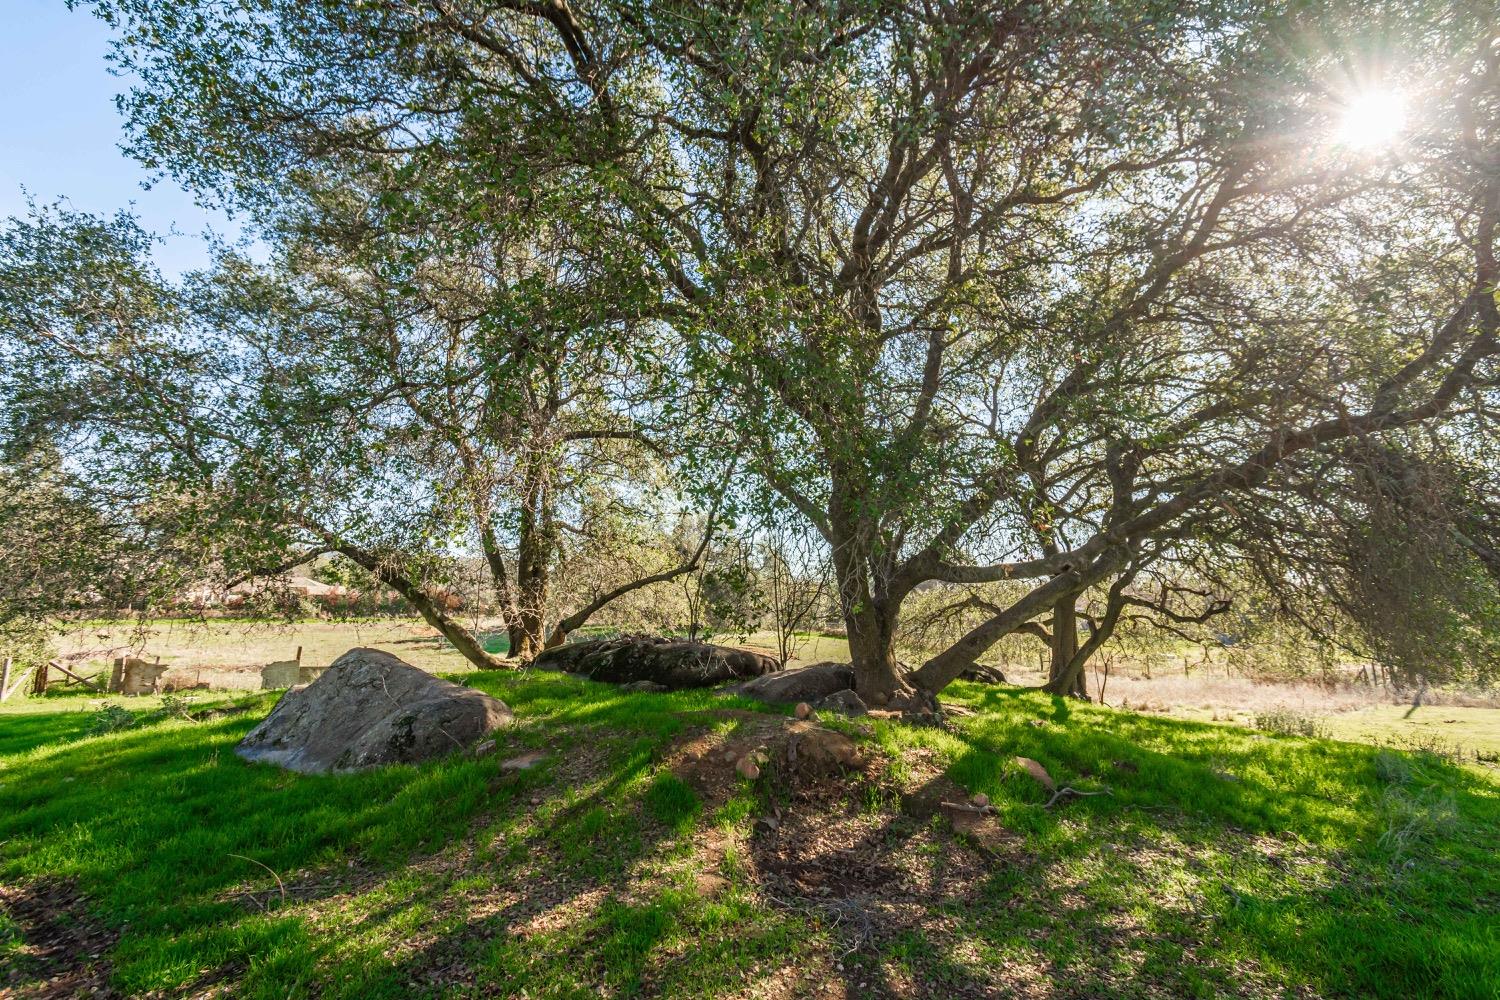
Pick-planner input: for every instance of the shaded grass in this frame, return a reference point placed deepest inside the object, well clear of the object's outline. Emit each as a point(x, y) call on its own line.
point(1340, 868)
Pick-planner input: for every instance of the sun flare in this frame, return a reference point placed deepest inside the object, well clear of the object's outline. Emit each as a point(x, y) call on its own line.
point(1372, 119)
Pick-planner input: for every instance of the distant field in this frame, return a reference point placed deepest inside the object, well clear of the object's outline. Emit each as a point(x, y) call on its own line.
point(221, 648)
point(1435, 727)
point(810, 648)
point(225, 652)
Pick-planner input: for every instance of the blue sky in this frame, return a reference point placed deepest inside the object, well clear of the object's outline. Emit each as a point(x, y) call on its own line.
point(60, 132)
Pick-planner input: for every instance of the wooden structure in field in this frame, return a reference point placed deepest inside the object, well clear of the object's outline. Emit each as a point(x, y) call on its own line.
point(40, 678)
point(134, 675)
point(288, 673)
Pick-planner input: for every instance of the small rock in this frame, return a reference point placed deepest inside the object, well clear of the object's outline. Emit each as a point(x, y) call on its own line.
point(484, 749)
point(525, 762)
point(981, 800)
point(643, 687)
point(769, 822)
point(1038, 772)
point(709, 884)
point(844, 702)
point(803, 710)
point(814, 751)
point(747, 767)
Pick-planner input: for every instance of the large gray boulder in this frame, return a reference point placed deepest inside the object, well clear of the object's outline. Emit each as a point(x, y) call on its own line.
point(808, 684)
point(371, 708)
point(669, 662)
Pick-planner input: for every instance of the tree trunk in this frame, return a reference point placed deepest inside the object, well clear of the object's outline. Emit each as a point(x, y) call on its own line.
point(527, 634)
point(878, 678)
point(940, 671)
point(533, 583)
point(536, 542)
point(504, 596)
point(1060, 672)
point(1065, 672)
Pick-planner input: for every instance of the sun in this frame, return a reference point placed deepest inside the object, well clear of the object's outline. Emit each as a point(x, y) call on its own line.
point(1372, 119)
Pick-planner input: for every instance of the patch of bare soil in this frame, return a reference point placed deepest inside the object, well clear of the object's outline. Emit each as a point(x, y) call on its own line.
point(789, 758)
point(62, 950)
point(866, 875)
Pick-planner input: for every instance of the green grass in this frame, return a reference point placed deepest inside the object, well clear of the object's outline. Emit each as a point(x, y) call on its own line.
point(1224, 863)
point(1474, 731)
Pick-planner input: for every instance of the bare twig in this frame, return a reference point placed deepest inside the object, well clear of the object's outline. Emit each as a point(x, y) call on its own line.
point(1068, 791)
point(279, 884)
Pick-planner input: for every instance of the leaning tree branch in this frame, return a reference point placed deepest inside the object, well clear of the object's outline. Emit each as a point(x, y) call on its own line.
point(280, 568)
point(580, 617)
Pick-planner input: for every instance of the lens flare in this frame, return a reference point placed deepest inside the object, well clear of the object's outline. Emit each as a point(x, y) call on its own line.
point(1372, 119)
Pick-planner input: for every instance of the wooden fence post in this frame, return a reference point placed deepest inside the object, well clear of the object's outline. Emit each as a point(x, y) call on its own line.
point(5, 679)
point(39, 684)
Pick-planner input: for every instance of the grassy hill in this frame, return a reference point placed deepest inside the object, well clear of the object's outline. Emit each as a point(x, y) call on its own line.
point(634, 861)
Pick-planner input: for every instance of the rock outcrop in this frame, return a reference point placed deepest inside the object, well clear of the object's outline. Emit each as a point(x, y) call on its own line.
point(371, 708)
point(671, 663)
point(809, 684)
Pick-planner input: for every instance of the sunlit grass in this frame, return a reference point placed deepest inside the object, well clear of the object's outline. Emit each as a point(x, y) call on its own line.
point(1338, 868)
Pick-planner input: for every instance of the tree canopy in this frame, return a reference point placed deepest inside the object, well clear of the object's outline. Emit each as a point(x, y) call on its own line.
point(1071, 298)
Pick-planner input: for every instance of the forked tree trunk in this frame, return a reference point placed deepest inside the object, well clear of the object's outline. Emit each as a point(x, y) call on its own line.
point(871, 626)
point(536, 540)
point(878, 678)
point(1065, 673)
point(526, 636)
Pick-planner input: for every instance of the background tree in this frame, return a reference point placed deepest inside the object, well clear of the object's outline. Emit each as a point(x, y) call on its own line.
point(502, 355)
point(991, 321)
point(793, 583)
point(163, 390)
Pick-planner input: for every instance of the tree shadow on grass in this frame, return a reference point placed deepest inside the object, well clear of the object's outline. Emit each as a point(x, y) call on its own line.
point(22, 732)
point(570, 877)
point(164, 825)
point(576, 901)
